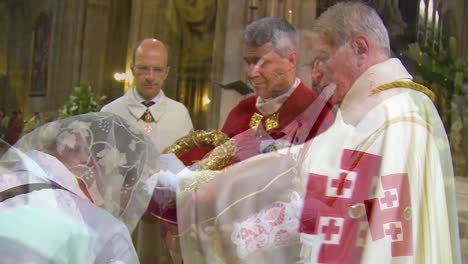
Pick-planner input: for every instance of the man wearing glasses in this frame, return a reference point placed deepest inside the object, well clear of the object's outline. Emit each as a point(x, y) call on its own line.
point(282, 111)
point(381, 188)
point(270, 53)
point(145, 104)
point(164, 120)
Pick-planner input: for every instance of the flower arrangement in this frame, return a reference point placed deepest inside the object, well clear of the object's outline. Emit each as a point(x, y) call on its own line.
point(83, 101)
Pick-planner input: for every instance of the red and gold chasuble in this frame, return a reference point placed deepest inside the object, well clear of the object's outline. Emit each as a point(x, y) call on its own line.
point(242, 117)
point(302, 116)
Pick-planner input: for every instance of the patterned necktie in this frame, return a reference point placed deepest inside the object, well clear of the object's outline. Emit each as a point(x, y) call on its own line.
point(148, 103)
point(147, 117)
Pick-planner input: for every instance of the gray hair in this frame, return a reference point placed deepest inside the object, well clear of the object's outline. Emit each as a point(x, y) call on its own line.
point(278, 31)
point(344, 20)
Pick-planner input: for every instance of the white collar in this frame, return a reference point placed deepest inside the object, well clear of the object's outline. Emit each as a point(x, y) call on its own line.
point(273, 104)
point(141, 99)
point(137, 109)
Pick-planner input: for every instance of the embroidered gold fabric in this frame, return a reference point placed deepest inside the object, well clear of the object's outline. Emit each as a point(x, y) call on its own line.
point(193, 184)
point(405, 84)
point(271, 122)
point(197, 138)
point(255, 120)
point(219, 157)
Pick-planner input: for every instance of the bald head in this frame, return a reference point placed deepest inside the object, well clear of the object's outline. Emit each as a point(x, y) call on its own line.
point(149, 44)
point(149, 67)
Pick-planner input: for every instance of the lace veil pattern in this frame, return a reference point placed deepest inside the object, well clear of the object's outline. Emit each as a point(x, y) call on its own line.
point(110, 159)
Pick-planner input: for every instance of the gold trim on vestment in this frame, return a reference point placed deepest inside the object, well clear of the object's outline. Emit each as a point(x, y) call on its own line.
point(404, 84)
point(271, 121)
point(196, 138)
point(199, 181)
point(255, 120)
point(219, 158)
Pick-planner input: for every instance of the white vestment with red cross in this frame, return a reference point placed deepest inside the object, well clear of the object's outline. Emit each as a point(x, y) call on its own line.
point(379, 182)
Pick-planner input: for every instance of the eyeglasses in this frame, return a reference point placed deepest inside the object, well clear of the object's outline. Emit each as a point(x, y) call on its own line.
point(140, 69)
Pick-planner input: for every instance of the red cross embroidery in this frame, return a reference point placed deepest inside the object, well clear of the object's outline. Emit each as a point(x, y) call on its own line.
point(317, 205)
point(330, 229)
point(380, 216)
point(393, 230)
point(148, 128)
point(389, 199)
point(341, 183)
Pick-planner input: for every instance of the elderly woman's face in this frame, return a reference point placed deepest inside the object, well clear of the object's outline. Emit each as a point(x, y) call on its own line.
point(75, 153)
point(72, 149)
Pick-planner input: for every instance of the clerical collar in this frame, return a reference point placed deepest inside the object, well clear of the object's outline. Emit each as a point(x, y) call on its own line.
point(287, 91)
point(141, 99)
point(271, 105)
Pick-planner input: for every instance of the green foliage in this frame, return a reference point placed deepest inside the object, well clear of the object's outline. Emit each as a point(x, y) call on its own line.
point(83, 101)
point(439, 68)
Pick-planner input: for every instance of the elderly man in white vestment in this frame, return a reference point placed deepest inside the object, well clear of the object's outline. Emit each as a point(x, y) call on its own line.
point(376, 187)
point(382, 188)
point(164, 120)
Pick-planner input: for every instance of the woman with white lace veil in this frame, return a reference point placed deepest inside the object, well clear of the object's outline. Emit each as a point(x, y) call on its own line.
point(93, 169)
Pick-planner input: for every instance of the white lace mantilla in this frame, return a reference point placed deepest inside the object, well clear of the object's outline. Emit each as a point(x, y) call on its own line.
point(273, 227)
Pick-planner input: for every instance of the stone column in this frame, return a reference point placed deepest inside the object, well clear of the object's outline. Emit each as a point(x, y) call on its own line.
point(4, 27)
point(464, 30)
point(228, 63)
point(116, 48)
point(66, 51)
point(89, 45)
point(94, 45)
point(304, 14)
point(18, 60)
